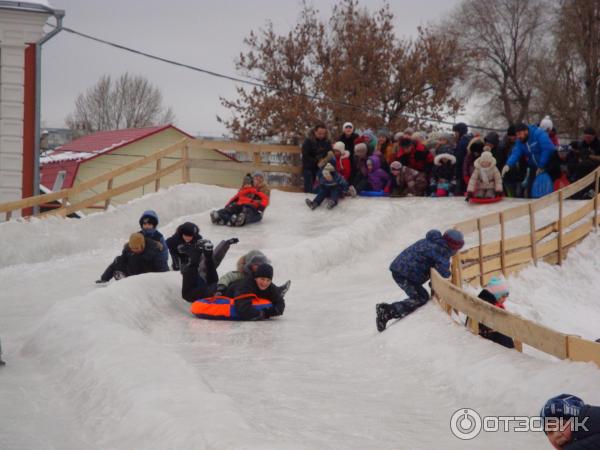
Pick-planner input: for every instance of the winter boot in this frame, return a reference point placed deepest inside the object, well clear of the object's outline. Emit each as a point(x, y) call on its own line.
point(384, 314)
point(311, 204)
point(331, 204)
point(239, 220)
point(193, 251)
point(285, 287)
point(215, 217)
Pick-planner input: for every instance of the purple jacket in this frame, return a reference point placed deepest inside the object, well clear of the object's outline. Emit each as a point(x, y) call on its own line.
point(378, 178)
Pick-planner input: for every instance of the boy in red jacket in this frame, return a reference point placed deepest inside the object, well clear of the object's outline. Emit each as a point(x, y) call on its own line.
point(247, 196)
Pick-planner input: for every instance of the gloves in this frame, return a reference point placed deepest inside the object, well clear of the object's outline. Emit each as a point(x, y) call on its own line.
point(208, 247)
point(505, 170)
point(537, 172)
point(119, 275)
point(232, 241)
point(101, 282)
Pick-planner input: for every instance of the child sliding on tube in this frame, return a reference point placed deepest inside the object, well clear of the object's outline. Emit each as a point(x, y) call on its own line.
point(412, 268)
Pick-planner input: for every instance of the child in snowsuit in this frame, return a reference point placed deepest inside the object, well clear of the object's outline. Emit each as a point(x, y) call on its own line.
point(259, 283)
point(486, 181)
point(406, 181)
point(443, 175)
point(561, 413)
point(246, 206)
point(474, 151)
point(412, 268)
point(331, 186)
point(343, 165)
point(495, 293)
point(148, 223)
point(140, 255)
point(378, 178)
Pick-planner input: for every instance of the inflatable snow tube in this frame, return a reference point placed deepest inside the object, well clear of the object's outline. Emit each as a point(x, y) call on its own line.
point(483, 201)
point(224, 308)
point(373, 194)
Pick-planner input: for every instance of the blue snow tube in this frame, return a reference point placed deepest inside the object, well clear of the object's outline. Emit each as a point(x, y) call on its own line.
point(542, 185)
point(373, 194)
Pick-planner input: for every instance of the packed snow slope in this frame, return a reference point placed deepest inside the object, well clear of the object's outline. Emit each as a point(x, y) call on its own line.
point(127, 366)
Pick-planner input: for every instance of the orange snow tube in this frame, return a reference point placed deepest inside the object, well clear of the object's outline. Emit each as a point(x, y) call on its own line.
point(224, 308)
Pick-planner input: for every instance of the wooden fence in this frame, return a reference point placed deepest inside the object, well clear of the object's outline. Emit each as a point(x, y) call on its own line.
point(506, 255)
point(177, 154)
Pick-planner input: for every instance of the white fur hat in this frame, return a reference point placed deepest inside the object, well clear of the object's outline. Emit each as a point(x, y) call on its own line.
point(348, 124)
point(546, 123)
point(339, 146)
point(487, 156)
point(447, 156)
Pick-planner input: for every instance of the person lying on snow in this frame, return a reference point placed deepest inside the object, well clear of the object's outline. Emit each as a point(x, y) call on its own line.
point(246, 266)
point(199, 267)
point(443, 175)
point(486, 181)
point(247, 206)
point(570, 424)
point(406, 182)
point(259, 283)
point(331, 186)
point(412, 267)
point(140, 255)
point(148, 227)
point(495, 293)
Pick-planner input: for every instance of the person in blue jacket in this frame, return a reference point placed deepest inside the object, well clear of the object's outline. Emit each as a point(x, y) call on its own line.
point(412, 268)
point(571, 424)
point(331, 185)
point(535, 144)
point(148, 224)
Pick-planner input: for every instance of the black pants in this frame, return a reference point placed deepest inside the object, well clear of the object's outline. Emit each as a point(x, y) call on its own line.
point(200, 276)
point(417, 297)
point(252, 214)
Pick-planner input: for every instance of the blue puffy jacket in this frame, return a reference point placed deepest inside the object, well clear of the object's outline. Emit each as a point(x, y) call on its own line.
point(416, 261)
point(538, 149)
point(154, 234)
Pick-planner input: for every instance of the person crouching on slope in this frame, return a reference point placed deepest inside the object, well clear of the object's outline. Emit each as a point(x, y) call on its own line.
point(412, 268)
point(259, 283)
point(140, 255)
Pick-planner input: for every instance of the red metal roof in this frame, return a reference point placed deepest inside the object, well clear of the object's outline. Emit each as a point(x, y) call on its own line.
point(68, 157)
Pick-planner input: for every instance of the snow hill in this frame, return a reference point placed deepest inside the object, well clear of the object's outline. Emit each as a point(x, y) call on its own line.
point(127, 366)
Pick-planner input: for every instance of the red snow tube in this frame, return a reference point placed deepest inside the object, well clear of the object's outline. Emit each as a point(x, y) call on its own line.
point(224, 308)
point(483, 201)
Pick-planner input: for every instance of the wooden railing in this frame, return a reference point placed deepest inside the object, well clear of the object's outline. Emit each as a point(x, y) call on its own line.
point(507, 255)
point(178, 152)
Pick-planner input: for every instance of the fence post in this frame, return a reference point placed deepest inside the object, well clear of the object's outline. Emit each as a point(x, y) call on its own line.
point(8, 215)
point(157, 181)
point(560, 227)
point(109, 187)
point(185, 170)
point(256, 158)
point(480, 252)
point(596, 200)
point(532, 231)
point(518, 345)
point(502, 246)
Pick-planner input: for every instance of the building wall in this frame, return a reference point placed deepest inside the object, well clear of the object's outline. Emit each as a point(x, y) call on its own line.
point(137, 150)
point(17, 28)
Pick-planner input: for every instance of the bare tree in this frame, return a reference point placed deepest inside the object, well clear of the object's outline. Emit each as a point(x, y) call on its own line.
point(129, 102)
point(502, 42)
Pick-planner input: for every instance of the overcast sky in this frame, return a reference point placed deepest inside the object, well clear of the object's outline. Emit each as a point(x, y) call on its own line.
point(202, 33)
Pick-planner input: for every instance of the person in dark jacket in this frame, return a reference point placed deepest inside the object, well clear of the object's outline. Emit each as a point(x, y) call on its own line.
point(495, 293)
point(186, 233)
point(492, 144)
point(140, 255)
point(331, 186)
point(411, 268)
point(571, 424)
point(461, 131)
point(514, 182)
point(148, 227)
point(260, 284)
point(348, 137)
point(315, 147)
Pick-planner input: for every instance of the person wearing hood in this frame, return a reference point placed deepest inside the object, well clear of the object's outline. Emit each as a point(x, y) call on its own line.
point(260, 283)
point(314, 148)
point(343, 164)
point(140, 255)
point(406, 182)
point(474, 151)
point(443, 175)
point(547, 125)
point(571, 424)
point(486, 181)
point(378, 178)
point(412, 267)
point(463, 137)
point(148, 227)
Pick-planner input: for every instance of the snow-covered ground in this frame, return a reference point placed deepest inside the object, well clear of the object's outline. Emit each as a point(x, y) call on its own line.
point(128, 367)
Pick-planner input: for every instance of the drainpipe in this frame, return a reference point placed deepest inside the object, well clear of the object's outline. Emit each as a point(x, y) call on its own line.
point(58, 14)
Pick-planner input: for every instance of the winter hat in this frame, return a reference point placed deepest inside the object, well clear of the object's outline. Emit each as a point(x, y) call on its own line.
point(498, 286)
point(253, 257)
point(487, 157)
point(492, 138)
point(546, 123)
point(461, 128)
point(409, 131)
point(454, 239)
point(396, 165)
point(511, 130)
point(247, 180)
point(589, 130)
point(189, 229)
point(339, 146)
point(419, 136)
point(383, 132)
point(446, 137)
point(137, 242)
point(149, 216)
point(398, 135)
point(564, 405)
point(264, 271)
point(360, 149)
point(447, 156)
point(348, 124)
point(258, 173)
point(521, 127)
